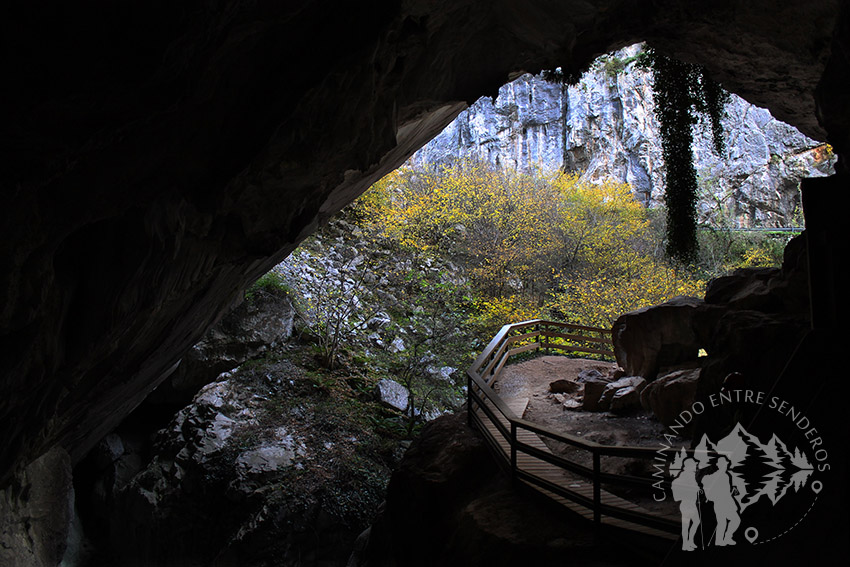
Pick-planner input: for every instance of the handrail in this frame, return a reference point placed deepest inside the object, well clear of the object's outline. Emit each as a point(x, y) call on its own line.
point(482, 376)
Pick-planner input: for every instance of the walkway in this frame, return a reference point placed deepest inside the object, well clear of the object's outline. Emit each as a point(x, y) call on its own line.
point(560, 477)
point(499, 415)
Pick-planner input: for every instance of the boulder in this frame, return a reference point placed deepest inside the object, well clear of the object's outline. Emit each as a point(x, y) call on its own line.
point(592, 392)
point(616, 373)
point(635, 384)
point(669, 395)
point(589, 374)
point(391, 393)
point(648, 339)
point(625, 399)
point(563, 386)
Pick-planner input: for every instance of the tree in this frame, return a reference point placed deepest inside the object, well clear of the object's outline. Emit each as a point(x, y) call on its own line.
point(533, 244)
point(329, 301)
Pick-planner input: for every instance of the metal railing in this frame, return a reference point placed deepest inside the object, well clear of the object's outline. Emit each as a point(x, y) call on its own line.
point(484, 403)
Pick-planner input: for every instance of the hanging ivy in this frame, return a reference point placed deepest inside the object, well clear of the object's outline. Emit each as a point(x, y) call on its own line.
point(681, 92)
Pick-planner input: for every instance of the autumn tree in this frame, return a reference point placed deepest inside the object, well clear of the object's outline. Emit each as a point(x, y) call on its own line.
point(530, 243)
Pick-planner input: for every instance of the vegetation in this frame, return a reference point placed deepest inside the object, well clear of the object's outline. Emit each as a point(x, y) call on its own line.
point(614, 65)
point(681, 93)
point(413, 278)
point(533, 245)
point(331, 306)
point(270, 284)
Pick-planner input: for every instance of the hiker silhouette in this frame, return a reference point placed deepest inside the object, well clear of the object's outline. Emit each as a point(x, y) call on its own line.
point(718, 490)
point(686, 490)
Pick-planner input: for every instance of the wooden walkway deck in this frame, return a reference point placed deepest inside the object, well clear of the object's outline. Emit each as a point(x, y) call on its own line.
point(519, 447)
point(556, 475)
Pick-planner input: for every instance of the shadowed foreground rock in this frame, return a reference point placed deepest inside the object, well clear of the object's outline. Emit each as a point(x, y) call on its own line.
point(450, 504)
point(749, 324)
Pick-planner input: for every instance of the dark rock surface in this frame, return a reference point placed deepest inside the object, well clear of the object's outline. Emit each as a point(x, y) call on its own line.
point(655, 337)
point(36, 513)
point(246, 332)
point(670, 394)
point(592, 391)
point(616, 395)
point(450, 504)
point(259, 469)
point(158, 159)
point(749, 325)
point(564, 386)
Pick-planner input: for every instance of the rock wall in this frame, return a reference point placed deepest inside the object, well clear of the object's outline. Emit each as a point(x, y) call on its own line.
point(36, 513)
point(605, 127)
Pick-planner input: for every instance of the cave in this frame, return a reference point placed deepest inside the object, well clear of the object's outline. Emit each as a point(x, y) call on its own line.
point(160, 158)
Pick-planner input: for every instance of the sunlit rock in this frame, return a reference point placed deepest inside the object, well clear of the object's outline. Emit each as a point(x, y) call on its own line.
point(392, 393)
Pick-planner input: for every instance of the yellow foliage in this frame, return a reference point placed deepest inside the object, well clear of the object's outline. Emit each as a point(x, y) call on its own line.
point(498, 223)
point(492, 313)
point(598, 301)
point(756, 257)
point(531, 243)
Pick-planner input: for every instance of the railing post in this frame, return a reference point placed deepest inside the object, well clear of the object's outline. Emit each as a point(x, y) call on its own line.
point(597, 499)
point(513, 451)
point(492, 368)
point(469, 399)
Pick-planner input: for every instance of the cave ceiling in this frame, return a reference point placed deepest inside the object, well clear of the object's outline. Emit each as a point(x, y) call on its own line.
point(159, 156)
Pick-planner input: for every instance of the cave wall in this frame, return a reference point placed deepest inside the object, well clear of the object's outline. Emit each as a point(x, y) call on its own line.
point(158, 157)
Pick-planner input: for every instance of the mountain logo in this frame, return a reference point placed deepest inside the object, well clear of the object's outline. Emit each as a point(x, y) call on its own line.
point(737, 488)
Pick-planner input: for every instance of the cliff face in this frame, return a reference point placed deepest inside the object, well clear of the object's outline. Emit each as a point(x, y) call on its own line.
point(605, 127)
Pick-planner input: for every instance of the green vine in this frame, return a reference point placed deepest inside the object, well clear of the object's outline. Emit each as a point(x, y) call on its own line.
point(681, 92)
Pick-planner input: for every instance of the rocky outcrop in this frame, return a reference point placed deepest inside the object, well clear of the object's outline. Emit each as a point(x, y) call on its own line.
point(251, 471)
point(749, 324)
point(450, 504)
point(165, 158)
point(252, 328)
point(605, 127)
point(392, 394)
point(652, 338)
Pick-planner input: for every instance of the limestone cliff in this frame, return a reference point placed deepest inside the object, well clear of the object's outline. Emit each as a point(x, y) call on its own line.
point(605, 127)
